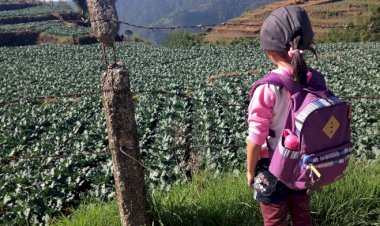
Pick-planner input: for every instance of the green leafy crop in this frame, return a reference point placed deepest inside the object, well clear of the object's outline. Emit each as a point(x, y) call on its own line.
point(52, 28)
point(201, 116)
point(45, 9)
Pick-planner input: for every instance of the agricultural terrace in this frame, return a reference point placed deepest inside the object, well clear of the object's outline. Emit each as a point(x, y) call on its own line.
point(53, 22)
point(52, 28)
point(37, 10)
point(185, 99)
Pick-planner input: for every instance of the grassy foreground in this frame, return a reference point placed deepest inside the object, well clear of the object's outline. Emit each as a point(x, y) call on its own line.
point(226, 200)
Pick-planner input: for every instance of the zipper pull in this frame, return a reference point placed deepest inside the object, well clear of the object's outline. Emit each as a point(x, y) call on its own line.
point(313, 185)
point(315, 171)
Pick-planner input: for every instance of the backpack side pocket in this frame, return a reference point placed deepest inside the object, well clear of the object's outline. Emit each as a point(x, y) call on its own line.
point(330, 163)
point(283, 163)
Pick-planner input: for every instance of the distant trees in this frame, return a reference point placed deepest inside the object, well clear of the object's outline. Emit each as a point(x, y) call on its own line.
point(82, 4)
point(128, 33)
point(183, 39)
point(301, 1)
point(366, 28)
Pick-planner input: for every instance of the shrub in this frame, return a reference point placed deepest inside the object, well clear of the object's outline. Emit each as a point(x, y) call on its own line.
point(183, 39)
point(367, 28)
point(245, 41)
point(136, 38)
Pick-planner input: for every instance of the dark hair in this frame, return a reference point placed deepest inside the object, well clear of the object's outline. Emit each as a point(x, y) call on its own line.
point(299, 65)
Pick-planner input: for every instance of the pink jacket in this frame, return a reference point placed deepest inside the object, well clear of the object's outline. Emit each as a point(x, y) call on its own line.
point(267, 110)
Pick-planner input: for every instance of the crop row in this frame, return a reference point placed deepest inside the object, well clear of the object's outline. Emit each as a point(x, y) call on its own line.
point(207, 121)
point(57, 28)
point(45, 9)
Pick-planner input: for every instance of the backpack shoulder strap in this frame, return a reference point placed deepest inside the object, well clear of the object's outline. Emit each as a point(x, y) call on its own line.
point(276, 79)
point(317, 82)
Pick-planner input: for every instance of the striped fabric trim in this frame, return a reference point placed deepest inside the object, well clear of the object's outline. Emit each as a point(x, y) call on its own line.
point(288, 153)
point(338, 153)
point(316, 104)
point(335, 154)
point(333, 163)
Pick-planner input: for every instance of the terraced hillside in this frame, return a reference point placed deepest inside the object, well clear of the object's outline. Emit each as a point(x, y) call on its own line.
point(40, 23)
point(324, 14)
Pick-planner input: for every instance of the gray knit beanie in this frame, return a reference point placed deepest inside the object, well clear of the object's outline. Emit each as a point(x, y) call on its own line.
point(282, 26)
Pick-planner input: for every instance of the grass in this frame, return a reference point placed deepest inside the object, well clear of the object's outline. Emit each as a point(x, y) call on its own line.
point(225, 200)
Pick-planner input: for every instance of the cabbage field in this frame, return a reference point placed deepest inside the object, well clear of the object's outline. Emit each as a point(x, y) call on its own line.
point(38, 10)
point(56, 28)
point(52, 28)
point(190, 110)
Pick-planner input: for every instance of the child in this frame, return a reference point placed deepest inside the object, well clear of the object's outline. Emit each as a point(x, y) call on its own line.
point(284, 35)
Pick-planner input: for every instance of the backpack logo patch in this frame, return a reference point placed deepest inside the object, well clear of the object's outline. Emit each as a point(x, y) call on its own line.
point(331, 127)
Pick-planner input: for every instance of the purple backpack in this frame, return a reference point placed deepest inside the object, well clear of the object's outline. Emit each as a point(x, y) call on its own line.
point(321, 123)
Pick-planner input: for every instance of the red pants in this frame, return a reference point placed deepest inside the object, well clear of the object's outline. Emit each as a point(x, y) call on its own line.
point(297, 205)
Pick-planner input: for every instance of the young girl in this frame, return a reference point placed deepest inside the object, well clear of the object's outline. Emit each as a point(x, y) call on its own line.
point(284, 35)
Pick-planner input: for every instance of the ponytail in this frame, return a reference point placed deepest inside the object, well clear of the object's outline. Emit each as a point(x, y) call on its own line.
point(298, 64)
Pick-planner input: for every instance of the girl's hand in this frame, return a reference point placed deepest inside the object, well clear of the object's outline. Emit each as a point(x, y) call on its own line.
point(253, 152)
point(250, 179)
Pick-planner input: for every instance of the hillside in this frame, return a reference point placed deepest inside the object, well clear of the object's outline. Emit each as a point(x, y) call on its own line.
point(211, 11)
point(31, 22)
point(323, 15)
point(179, 12)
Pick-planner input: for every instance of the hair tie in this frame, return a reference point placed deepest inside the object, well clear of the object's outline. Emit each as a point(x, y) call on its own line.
point(292, 51)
